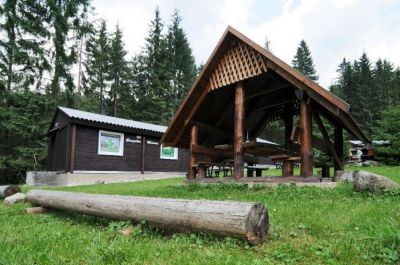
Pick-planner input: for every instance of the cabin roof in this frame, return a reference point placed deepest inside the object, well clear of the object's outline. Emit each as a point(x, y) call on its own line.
point(272, 89)
point(104, 119)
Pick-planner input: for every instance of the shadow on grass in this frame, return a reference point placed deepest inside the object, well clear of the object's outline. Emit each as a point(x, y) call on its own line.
point(143, 230)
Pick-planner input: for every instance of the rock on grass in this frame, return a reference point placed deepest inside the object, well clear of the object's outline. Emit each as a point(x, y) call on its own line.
point(366, 181)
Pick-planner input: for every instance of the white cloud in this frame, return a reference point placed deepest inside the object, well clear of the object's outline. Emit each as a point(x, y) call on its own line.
point(333, 29)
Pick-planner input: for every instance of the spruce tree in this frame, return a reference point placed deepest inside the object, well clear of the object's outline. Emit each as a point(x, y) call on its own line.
point(388, 129)
point(267, 44)
point(153, 74)
point(394, 91)
point(181, 63)
point(363, 97)
point(65, 19)
point(22, 55)
point(383, 75)
point(119, 88)
point(303, 62)
point(97, 67)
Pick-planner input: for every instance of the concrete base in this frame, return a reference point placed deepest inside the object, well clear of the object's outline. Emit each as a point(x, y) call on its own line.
point(269, 181)
point(52, 178)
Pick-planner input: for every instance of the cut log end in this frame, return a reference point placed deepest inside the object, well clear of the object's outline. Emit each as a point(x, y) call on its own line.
point(257, 224)
point(8, 190)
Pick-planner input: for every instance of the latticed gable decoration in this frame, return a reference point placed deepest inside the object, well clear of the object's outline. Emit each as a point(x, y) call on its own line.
point(240, 62)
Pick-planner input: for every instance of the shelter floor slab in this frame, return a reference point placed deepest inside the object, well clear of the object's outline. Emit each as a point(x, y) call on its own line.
point(269, 181)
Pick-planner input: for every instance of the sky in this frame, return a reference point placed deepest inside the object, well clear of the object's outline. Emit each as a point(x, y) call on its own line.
point(333, 29)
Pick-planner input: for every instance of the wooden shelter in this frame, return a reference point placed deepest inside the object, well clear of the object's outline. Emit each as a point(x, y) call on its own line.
point(240, 90)
point(83, 142)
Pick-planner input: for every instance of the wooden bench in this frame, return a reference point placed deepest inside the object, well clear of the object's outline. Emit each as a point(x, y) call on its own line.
point(208, 169)
point(257, 168)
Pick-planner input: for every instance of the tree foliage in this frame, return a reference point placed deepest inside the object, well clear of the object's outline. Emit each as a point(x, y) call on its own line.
point(45, 40)
point(369, 88)
point(372, 90)
point(389, 130)
point(163, 71)
point(303, 62)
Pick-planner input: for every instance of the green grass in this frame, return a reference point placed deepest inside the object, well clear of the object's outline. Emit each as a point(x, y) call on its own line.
point(307, 226)
point(392, 172)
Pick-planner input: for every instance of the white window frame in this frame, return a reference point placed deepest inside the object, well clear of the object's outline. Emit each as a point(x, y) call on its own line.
point(169, 158)
point(121, 144)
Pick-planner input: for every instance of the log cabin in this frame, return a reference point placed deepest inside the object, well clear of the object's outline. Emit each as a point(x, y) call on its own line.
point(100, 148)
point(241, 89)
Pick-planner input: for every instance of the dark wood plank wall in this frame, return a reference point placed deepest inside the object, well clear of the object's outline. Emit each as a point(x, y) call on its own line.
point(153, 162)
point(58, 146)
point(87, 157)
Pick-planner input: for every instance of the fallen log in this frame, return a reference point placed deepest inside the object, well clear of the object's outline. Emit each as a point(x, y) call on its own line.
point(248, 221)
point(8, 190)
point(36, 210)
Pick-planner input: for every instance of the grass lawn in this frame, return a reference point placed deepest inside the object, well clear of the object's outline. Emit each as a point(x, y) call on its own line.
point(307, 226)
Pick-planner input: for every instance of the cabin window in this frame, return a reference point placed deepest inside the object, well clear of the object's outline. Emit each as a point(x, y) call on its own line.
point(111, 143)
point(168, 153)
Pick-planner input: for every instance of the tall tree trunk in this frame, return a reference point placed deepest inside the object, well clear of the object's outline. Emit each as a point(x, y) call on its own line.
point(55, 83)
point(80, 66)
point(116, 84)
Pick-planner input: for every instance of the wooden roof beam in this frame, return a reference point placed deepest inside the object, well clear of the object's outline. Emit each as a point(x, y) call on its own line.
point(325, 135)
point(209, 151)
point(210, 129)
point(190, 116)
point(268, 107)
point(269, 89)
point(342, 121)
point(261, 126)
point(283, 101)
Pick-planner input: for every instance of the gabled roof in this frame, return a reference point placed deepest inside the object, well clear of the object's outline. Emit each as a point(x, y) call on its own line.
point(237, 58)
point(93, 117)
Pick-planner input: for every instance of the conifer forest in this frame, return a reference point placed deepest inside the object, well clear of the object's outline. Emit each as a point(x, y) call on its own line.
point(59, 53)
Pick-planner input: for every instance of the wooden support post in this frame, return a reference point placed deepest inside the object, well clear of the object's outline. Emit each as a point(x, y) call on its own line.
point(239, 133)
point(338, 142)
point(73, 147)
point(143, 153)
point(250, 170)
point(194, 134)
point(287, 167)
point(306, 139)
point(328, 142)
point(325, 171)
point(201, 172)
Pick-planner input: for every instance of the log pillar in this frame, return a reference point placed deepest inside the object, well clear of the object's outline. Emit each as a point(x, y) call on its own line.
point(201, 172)
point(287, 167)
point(239, 133)
point(306, 139)
point(250, 170)
point(194, 134)
point(338, 143)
